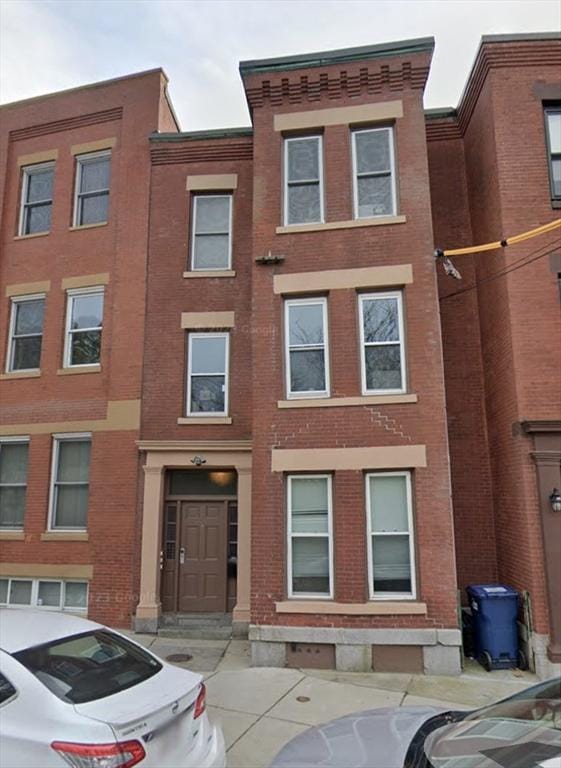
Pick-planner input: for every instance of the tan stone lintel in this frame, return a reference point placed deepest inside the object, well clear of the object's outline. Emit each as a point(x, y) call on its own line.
point(194, 445)
point(37, 157)
point(207, 319)
point(20, 375)
point(380, 608)
point(28, 289)
point(12, 536)
point(122, 416)
point(333, 402)
point(210, 273)
point(371, 457)
point(65, 536)
point(48, 570)
point(317, 118)
point(212, 181)
point(362, 277)
point(378, 221)
point(205, 420)
point(93, 146)
point(85, 281)
point(79, 369)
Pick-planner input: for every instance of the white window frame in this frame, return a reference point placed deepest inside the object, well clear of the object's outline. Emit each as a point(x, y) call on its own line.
point(286, 182)
point(390, 131)
point(14, 301)
point(290, 535)
point(194, 232)
point(551, 109)
point(57, 440)
point(370, 533)
point(71, 295)
point(23, 440)
point(35, 594)
point(320, 300)
point(226, 373)
point(362, 297)
point(27, 171)
point(82, 160)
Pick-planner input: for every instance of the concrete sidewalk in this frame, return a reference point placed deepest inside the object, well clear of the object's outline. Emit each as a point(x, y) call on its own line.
point(261, 709)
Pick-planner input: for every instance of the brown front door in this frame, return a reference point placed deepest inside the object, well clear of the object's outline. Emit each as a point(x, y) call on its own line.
point(202, 574)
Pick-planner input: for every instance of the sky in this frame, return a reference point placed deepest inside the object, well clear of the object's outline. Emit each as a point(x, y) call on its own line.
point(50, 45)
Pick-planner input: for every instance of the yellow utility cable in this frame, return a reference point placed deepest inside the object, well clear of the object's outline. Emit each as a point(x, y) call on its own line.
point(502, 243)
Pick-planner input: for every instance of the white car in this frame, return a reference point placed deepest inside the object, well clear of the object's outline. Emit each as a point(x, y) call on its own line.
point(73, 692)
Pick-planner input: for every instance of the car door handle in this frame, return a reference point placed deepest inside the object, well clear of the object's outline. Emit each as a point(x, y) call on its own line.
point(182, 555)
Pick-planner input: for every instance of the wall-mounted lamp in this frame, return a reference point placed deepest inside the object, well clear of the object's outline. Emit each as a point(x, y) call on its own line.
point(198, 461)
point(555, 500)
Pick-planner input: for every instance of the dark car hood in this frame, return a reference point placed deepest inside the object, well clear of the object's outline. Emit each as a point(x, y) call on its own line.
point(376, 738)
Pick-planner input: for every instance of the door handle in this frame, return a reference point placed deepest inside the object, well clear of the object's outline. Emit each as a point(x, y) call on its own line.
point(182, 555)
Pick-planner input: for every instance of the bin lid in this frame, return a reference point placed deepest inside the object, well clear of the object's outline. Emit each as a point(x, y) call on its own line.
point(487, 591)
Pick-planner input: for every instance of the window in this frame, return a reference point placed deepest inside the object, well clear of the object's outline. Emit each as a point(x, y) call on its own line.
point(70, 482)
point(310, 547)
point(391, 554)
point(381, 336)
point(553, 127)
point(374, 173)
point(303, 180)
point(36, 199)
point(44, 593)
point(307, 356)
point(7, 690)
point(207, 380)
point(26, 333)
point(84, 319)
point(13, 481)
point(91, 204)
point(211, 240)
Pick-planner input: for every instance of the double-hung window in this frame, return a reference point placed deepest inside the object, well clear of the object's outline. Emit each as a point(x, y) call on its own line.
point(381, 337)
point(13, 481)
point(307, 353)
point(26, 333)
point(310, 543)
point(553, 127)
point(303, 180)
point(391, 551)
point(91, 203)
point(36, 199)
point(211, 237)
point(207, 376)
point(70, 481)
point(374, 173)
point(84, 320)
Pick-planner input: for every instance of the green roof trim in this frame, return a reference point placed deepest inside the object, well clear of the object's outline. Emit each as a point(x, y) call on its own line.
point(340, 56)
point(439, 112)
point(217, 133)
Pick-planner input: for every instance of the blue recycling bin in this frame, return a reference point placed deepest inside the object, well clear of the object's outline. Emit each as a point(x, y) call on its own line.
point(495, 634)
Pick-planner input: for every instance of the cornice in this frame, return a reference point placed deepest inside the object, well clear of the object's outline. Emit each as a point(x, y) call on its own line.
point(195, 152)
point(67, 124)
point(194, 445)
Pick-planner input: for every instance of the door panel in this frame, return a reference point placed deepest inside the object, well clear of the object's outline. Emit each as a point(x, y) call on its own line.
point(202, 576)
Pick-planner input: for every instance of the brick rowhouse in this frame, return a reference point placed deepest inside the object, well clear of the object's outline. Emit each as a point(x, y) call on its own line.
point(288, 427)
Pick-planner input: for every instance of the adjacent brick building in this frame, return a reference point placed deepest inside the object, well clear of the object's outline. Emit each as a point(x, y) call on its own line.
point(331, 444)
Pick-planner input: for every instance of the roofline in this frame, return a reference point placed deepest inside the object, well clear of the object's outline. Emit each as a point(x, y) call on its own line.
point(342, 55)
point(216, 133)
point(520, 37)
point(87, 86)
point(434, 113)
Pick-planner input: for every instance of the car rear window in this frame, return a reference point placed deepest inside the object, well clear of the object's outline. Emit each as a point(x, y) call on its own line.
point(89, 666)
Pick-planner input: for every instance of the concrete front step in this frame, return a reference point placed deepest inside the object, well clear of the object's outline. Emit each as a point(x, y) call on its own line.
point(194, 633)
point(196, 620)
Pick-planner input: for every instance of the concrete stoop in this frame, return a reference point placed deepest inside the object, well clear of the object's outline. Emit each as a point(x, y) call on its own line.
point(196, 626)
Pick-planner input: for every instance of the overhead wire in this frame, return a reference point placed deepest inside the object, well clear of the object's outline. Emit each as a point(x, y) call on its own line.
point(552, 225)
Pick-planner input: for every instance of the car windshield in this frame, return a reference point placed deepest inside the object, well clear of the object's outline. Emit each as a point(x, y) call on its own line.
point(89, 666)
point(526, 725)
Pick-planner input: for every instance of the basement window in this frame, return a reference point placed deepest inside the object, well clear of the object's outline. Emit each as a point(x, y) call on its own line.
point(51, 594)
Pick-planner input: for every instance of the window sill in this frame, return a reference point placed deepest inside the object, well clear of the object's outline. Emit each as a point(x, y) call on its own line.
point(12, 536)
point(210, 273)
point(32, 235)
point(78, 227)
point(20, 375)
point(332, 402)
point(82, 369)
point(387, 608)
point(65, 536)
point(205, 420)
point(379, 221)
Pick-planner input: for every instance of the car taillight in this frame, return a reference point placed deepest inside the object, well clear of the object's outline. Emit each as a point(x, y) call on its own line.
point(121, 755)
point(200, 704)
